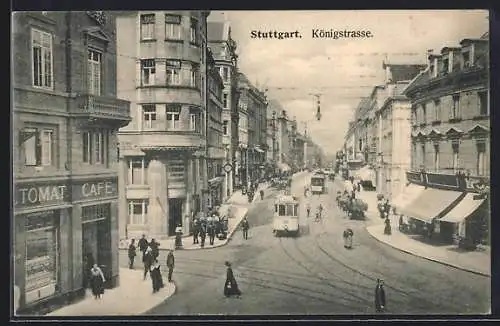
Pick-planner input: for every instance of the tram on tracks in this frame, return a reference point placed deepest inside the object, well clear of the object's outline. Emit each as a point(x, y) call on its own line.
point(286, 216)
point(318, 184)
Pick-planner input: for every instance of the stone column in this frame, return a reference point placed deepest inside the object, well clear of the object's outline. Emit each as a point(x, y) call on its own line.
point(115, 255)
point(158, 199)
point(77, 254)
point(189, 196)
point(122, 198)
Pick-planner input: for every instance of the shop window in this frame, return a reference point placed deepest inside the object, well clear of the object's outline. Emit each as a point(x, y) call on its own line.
point(95, 213)
point(147, 27)
point(37, 146)
point(42, 255)
point(138, 212)
point(148, 72)
point(94, 69)
point(173, 27)
point(41, 46)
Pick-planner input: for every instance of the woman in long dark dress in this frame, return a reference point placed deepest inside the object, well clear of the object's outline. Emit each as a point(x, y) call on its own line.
point(156, 277)
point(97, 281)
point(230, 286)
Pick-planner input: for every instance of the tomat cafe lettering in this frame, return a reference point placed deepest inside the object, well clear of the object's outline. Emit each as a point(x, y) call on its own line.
point(30, 196)
point(94, 190)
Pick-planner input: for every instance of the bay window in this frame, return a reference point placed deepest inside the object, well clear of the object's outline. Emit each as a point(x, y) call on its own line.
point(173, 72)
point(173, 27)
point(149, 116)
point(94, 72)
point(173, 116)
point(41, 47)
point(148, 72)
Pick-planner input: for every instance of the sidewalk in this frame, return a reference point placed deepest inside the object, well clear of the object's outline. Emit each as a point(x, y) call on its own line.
point(133, 297)
point(478, 262)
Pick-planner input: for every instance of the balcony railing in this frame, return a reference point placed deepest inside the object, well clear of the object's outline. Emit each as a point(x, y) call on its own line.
point(101, 107)
point(459, 181)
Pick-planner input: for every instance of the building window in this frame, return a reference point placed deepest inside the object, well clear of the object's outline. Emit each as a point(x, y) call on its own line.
point(194, 119)
point(422, 146)
point(42, 255)
point(445, 68)
point(483, 103)
point(41, 45)
point(481, 168)
point(456, 163)
point(37, 146)
point(193, 31)
point(173, 72)
point(224, 100)
point(225, 127)
point(147, 27)
point(94, 72)
point(173, 27)
point(225, 74)
point(173, 116)
point(138, 212)
point(413, 155)
point(148, 70)
point(437, 110)
point(87, 146)
point(176, 171)
point(149, 116)
point(93, 213)
point(466, 59)
point(436, 157)
point(424, 114)
point(455, 108)
point(99, 147)
point(137, 171)
point(195, 71)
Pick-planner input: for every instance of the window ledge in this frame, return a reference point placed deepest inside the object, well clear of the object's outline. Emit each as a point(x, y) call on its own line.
point(174, 40)
point(148, 40)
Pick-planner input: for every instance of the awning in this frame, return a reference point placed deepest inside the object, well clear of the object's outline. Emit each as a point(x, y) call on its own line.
point(257, 149)
point(464, 209)
point(409, 194)
point(430, 204)
point(283, 167)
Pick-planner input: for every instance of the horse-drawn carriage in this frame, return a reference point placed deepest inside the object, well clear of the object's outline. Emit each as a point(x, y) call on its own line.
point(354, 208)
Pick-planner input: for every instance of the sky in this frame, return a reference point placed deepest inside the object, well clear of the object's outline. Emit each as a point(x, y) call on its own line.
point(342, 70)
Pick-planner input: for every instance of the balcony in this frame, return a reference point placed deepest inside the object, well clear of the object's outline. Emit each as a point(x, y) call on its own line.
point(163, 140)
point(93, 107)
point(448, 180)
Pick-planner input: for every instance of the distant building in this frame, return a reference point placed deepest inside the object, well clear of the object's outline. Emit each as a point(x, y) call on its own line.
point(223, 49)
point(163, 155)
point(66, 115)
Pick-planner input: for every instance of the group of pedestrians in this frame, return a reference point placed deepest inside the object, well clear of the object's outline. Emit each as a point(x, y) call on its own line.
point(150, 252)
point(212, 226)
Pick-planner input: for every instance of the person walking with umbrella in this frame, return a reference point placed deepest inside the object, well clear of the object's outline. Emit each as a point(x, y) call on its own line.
point(380, 296)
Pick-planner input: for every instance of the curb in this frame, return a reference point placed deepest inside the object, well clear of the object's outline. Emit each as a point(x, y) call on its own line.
point(428, 258)
point(163, 301)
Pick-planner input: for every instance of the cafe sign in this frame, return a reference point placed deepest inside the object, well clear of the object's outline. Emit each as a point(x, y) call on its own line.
point(32, 195)
point(95, 189)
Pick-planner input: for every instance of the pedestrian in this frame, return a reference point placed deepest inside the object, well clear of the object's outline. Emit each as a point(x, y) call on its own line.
point(230, 286)
point(245, 226)
point(387, 228)
point(308, 209)
point(203, 233)
point(155, 248)
point(97, 281)
point(380, 296)
point(211, 230)
point(147, 260)
point(196, 230)
point(156, 278)
point(261, 194)
point(143, 245)
point(170, 264)
point(348, 234)
point(131, 254)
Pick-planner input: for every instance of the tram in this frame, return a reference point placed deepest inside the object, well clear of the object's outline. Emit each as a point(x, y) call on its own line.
point(318, 184)
point(286, 216)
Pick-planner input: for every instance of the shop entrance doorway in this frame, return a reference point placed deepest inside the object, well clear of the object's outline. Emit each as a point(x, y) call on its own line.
point(174, 214)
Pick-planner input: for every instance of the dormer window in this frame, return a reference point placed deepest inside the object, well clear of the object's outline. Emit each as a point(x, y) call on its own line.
point(466, 59)
point(444, 67)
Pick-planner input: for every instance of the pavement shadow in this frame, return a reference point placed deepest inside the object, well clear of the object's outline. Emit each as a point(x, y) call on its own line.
point(428, 241)
point(463, 250)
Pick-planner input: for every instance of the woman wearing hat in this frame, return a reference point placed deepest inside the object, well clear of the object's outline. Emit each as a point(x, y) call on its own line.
point(230, 286)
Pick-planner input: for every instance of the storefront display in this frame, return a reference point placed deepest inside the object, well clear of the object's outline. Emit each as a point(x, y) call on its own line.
point(41, 255)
